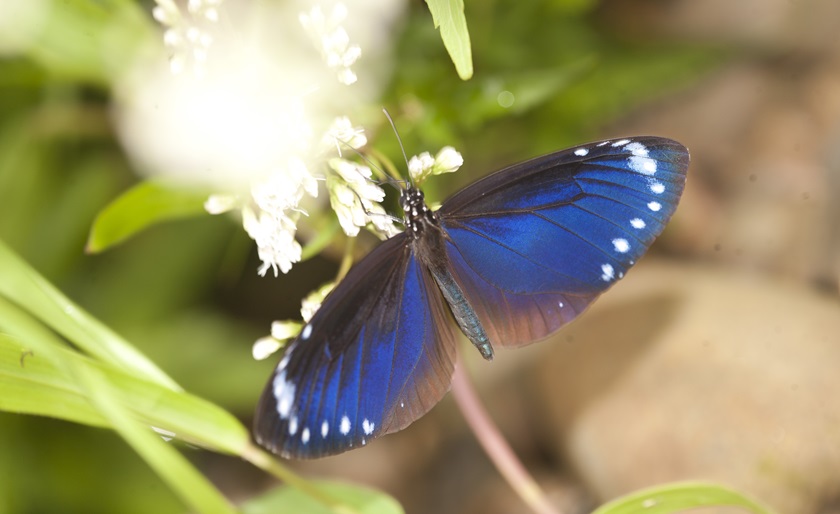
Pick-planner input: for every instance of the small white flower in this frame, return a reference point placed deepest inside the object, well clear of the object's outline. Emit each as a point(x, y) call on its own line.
point(310, 305)
point(274, 222)
point(352, 195)
point(348, 209)
point(447, 160)
point(342, 133)
point(275, 238)
point(285, 330)
point(332, 40)
point(208, 9)
point(166, 13)
point(218, 204)
point(420, 167)
point(186, 35)
point(382, 221)
point(264, 347)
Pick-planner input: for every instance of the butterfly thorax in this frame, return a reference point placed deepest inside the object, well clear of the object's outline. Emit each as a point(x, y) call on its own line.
point(417, 214)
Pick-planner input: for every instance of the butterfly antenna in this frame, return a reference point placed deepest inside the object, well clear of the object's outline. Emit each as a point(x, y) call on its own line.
point(399, 139)
point(382, 173)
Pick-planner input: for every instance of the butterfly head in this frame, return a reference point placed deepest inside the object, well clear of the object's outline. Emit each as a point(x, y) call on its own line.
point(416, 213)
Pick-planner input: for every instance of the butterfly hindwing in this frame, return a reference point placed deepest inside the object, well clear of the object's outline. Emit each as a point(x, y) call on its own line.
point(377, 355)
point(534, 244)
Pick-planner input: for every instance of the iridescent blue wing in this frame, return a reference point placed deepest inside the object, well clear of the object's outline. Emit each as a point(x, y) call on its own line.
point(534, 244)
point(377, 355)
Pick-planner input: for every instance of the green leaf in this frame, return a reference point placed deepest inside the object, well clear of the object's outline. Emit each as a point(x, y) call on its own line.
point(193, 488)
point(285, 499)
point(31, 383)
point(448, 15)
point(145, 204)
point(23, 286)
point(679, 496)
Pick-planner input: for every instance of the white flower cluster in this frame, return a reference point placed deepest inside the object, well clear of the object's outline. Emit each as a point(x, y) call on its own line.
point(332, 40)
point(447, 160)
point(355, 199)
point(272, 219)
point(186, 36)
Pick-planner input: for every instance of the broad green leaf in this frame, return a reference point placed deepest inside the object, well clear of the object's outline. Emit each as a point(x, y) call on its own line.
point(448, 15)
point(23, 286)
point(353, 498)
point(678, 497)
point(143, 205)
point(193, 488)
point(31, 384)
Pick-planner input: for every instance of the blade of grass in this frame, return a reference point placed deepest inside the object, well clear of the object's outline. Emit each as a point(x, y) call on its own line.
point(23, 286)
point(193, 488)
point(31, 383)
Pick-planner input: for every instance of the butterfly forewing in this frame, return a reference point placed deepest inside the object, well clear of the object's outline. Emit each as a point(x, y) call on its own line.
point(534, 244)
point(376, 356)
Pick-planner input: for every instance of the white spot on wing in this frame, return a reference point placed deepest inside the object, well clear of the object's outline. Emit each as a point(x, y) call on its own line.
point(654, 206)
point(581, 151)
point(325, 428)
point(367, 426)
point(560, 304)
point(307, 331)
point(609, 272)
point(344, 427)
point(621, 142)
point(286, 357)
point(638, 223)
point(284, 393)
point(621, 245)
point(657, 187)
point(602, 143)
point(643, 165)
point(304, 436)
point(293, 425)
point(637, 148)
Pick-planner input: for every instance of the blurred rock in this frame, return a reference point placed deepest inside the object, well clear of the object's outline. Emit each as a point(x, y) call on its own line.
point(760, 191)
point(768, 24)
point(691, 373)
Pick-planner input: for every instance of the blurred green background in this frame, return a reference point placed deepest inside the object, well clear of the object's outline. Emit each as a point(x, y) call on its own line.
point(752, 89)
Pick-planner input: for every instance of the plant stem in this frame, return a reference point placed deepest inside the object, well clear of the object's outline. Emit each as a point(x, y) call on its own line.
point(495, 445)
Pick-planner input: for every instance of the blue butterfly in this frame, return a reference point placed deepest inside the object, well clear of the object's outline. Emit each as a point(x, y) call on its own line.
point(510, 259)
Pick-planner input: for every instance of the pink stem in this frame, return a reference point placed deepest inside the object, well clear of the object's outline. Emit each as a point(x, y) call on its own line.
point(495, 445)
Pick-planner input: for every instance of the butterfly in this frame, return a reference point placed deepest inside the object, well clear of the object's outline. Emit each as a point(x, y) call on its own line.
point(508, 260)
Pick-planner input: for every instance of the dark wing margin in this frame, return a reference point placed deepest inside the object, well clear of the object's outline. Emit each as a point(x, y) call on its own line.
point(377, 355)
point(534, 244)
